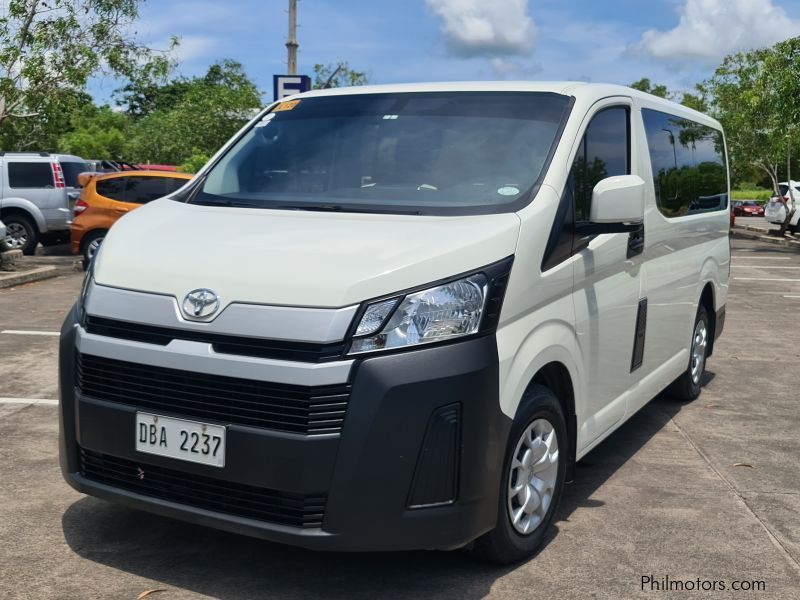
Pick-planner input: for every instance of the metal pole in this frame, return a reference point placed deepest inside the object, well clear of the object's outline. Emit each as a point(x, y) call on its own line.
point(291, 42)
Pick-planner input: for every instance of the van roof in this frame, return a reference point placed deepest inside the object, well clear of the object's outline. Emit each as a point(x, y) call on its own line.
point(588, 92)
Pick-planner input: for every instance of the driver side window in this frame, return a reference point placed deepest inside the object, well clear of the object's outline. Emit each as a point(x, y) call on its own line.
point(604, 152)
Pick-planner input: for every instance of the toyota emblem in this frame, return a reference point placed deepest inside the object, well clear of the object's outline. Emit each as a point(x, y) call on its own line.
point(200, 303)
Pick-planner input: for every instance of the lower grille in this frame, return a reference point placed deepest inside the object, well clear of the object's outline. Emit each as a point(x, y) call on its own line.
point(216, 495)
point(292, 408)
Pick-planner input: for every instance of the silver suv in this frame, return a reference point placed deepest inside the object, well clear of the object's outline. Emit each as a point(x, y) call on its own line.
point(37, 191)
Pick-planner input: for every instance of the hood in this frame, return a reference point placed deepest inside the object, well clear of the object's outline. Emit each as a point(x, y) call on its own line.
point(294, 258)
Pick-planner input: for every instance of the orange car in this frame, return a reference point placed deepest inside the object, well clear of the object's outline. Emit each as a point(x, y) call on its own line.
point(108, 196)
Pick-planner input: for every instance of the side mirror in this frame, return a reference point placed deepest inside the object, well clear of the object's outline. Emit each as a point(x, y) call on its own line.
point(618, 200)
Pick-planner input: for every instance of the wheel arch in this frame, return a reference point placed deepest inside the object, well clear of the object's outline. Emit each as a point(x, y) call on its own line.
point(20, 206)
point(556, 377)
point(88, 235)
point(547, 356)
point(708, 300)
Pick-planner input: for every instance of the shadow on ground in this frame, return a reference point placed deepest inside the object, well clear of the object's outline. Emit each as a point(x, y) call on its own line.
point(225, 565)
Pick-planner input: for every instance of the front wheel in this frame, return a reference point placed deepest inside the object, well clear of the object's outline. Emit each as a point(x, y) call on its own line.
point(533, 479)
point(687, 387)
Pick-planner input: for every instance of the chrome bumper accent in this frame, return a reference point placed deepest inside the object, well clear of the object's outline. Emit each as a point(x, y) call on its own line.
point(200, 357)
point(314, 325)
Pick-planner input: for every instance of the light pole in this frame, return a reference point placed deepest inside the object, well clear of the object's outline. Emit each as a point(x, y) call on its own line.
point(291, 42)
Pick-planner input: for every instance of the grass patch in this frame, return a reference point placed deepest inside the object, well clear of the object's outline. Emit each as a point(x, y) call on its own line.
point(759, 194)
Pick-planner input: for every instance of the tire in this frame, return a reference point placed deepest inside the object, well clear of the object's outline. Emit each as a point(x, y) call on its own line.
point(91, 242)
point(687, 387)
point(21, 233)
point(508, 543)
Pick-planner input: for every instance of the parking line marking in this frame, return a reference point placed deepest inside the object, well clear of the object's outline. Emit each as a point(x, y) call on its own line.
point(791, 296)
point(23, 332)
point(764, 279)
point(45, 401)
point(736, 256)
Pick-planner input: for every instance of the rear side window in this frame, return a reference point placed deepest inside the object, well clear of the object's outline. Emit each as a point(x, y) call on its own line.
point(689, 166)
point(172, 184)
point(30, 175)
point(71, 171)
point(113, 188)
point(142, 190)
point(604, 152)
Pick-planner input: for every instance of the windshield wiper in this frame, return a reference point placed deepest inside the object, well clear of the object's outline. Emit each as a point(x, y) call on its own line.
point(346, 209)
point(220, 202)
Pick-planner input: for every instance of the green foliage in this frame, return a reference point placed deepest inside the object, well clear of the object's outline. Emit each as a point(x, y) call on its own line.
point(337, 75)
point(206, 113)
point(48, 51)
point(758, 194)
point(195, 162)
point(644, 85)
point(97, 132)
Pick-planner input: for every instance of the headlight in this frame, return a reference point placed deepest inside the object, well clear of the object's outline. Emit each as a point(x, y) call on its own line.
point(444, 312)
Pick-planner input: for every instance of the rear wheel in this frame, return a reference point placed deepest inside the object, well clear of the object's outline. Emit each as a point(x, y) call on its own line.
point(21, 234)
point(91, 244)
point(533, 479)
point(687, 387)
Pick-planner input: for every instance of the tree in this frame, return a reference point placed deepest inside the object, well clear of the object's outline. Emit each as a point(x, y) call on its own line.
point(337, 75)
point(753, 96)
point(97, 132)
point(210, 110)
point(644, 85)
point(50, 48)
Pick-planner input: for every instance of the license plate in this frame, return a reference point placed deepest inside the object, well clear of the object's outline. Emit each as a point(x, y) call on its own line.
point(182, 439)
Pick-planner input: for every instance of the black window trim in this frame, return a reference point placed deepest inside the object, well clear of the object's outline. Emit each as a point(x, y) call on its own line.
point(555, 250)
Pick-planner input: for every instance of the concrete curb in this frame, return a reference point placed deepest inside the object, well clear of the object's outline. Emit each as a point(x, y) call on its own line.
point(15, 278)
point(754, 233)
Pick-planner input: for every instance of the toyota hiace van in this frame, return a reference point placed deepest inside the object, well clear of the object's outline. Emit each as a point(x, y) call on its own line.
point(395, 317)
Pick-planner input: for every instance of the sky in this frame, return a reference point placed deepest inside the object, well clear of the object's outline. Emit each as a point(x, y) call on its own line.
point(674, 42)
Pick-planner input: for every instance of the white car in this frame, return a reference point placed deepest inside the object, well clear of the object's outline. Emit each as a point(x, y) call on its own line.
point(775, 209)
point(423, 304)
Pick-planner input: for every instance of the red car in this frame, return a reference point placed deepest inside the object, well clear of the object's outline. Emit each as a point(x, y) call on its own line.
point(748, 208)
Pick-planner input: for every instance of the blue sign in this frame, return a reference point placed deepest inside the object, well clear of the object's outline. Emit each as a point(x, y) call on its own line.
point(287, 85)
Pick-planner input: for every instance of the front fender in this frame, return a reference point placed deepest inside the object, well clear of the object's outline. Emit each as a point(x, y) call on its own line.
point(520, 360)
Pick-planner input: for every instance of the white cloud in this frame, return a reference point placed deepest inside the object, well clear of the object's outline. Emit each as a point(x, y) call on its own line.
point(196, 46)
point(710, 29)
point(486, 27)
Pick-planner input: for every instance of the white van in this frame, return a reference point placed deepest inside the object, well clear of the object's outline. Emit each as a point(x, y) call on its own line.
point(394, 317)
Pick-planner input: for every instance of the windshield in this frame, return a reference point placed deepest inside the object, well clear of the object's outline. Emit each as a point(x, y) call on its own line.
point(427, 153)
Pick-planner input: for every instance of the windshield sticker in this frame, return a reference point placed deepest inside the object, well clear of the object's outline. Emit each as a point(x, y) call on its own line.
point(288, 105)
point(265, 121)
point(508, 190)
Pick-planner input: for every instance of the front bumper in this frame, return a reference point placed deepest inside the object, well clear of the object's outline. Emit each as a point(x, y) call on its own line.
point(417, 464)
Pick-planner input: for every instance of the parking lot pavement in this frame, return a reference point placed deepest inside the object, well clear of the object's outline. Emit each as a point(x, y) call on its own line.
point(705, 490)
point(759, 222)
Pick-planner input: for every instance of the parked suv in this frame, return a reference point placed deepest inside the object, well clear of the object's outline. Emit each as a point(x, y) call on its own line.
point(37, 190)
